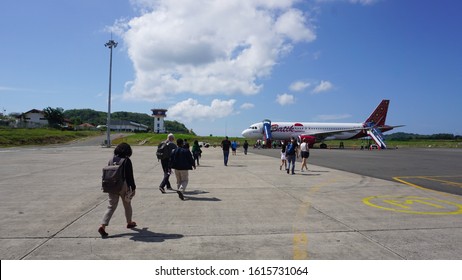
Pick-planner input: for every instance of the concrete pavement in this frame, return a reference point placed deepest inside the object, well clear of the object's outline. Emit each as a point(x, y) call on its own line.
point(51, 207)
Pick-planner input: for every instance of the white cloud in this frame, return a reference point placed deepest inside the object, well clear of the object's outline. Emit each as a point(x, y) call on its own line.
point(299, 86)
point(8, 89)
point(247, 106)
point(362, 2)
point(285, 99)
point(293, 25)
point(208, 47)
point(190, 109)
point(323, 86)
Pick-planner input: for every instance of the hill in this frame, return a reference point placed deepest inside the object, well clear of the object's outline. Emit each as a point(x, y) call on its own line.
point(79, 116)
point(402, 136)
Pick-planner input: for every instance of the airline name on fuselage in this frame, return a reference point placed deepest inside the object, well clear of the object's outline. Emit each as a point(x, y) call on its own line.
point(288, 128)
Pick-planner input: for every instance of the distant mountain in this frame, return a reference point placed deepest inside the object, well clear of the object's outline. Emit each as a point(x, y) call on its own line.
point(402, 136)
point(79, 116)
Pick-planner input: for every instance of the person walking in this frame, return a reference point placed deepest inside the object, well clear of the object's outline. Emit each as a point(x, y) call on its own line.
point(245, 146)
point(305, 153)
point(196, 151)
point(225, 145)
point(234, 147)
point(283, 157)
point(291, 155)
point(122, 151)
point(165, 162)
point(182, 161)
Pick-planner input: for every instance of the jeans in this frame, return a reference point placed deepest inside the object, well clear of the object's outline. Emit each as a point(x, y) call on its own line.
point(291, 160)
point(226, 156)
point(165, 180)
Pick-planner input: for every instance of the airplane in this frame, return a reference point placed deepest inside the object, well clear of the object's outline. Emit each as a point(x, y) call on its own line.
point(315, 132)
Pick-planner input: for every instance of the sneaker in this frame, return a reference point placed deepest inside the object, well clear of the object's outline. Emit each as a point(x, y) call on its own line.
point(287, 171)
point(161, 189)
point(180, 195)
point(131, 225)
point(103, 233)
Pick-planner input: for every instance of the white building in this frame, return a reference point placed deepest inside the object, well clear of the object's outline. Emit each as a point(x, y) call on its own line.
point(127, 126)
point(159, 115)
point(33, 118)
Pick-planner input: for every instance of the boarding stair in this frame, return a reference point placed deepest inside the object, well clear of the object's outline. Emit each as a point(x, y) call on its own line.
point(377, 136)
point(267, 132)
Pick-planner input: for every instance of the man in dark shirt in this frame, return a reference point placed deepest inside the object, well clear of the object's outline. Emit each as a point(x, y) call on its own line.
point(182, 161)
point(166, 162)
point(225, 145)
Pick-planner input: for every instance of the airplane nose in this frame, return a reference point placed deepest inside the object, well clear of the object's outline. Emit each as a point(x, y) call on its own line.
point(245, 133)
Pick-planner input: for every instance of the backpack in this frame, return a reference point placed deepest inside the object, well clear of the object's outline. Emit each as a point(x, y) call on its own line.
point(162, 151)
point(290, 150)
point(114, 177)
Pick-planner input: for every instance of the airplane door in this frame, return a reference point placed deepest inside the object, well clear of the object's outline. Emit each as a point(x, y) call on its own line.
point(267, 129)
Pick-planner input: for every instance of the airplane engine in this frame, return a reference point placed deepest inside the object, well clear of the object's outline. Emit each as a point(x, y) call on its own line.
point(310, 139)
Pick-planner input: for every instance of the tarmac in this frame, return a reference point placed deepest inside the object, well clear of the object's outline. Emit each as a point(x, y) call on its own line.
point(52, 205)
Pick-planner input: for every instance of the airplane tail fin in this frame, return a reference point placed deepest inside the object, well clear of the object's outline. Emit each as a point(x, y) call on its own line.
point(378, 117)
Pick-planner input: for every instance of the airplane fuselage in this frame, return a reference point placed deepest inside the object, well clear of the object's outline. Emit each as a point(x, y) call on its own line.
point(312, 132)
point(286, 130)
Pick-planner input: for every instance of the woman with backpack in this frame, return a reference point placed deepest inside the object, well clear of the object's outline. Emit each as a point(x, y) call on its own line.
point(196, 151)
point(122, 154)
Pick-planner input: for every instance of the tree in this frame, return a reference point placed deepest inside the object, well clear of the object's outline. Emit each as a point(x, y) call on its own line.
point(55, 117)
point(97, 117)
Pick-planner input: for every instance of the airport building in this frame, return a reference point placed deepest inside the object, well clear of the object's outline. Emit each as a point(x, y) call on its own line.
point(159, 115)
point(129, 126)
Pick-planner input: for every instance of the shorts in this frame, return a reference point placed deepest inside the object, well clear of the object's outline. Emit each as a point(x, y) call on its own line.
point(305, 154)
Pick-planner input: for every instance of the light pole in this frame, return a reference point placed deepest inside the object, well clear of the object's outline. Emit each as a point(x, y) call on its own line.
point(111, 44)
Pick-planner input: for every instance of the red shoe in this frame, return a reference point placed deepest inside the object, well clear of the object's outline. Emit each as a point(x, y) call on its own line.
point(131, 225)
point(103, 233)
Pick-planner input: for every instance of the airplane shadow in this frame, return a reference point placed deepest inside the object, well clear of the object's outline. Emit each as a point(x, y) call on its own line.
point(145, 235)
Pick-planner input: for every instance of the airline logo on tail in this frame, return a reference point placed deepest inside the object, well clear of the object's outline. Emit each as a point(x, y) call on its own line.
point(379, 116)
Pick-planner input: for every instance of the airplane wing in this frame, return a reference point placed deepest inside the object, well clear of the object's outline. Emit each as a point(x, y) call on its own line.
point(322, 135)
point(325, 134)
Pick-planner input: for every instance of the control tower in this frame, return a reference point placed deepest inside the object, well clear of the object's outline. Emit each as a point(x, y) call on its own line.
point(159, 115)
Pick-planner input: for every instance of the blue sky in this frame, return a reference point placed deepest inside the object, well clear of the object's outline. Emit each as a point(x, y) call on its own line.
point(219, 66)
